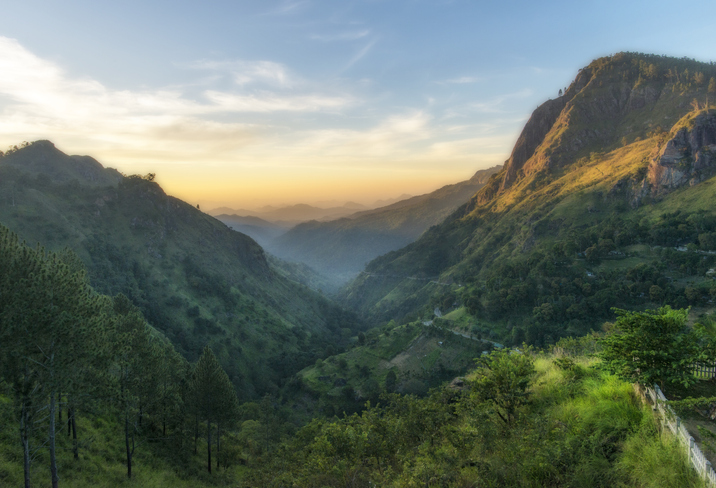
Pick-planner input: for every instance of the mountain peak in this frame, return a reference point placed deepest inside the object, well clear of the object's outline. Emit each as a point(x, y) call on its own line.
point(43, 158)
point(612, 101)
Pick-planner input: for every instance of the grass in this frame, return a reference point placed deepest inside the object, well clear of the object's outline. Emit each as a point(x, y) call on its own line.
point(651, 460)
point(102, 463)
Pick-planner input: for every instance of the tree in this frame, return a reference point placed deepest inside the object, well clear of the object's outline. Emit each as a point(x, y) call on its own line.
point(51, 333)
point(656, 293)
point(503, 380)
point(213, 395)
point(654, 346)
point(390, 381)
point(134, 367)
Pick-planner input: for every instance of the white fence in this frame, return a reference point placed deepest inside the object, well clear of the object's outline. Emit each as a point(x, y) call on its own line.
point(705, 371)
point(673, 422)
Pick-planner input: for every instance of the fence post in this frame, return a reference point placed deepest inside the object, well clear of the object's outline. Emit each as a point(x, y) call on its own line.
point(691, 447)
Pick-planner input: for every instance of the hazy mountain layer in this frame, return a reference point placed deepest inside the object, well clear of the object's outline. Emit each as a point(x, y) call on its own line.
point(292, 214)
point(601, 186)
point(260, 230)
point(340, 249)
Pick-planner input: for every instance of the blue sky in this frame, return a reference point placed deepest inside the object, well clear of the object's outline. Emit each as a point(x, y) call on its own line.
point(249, 103)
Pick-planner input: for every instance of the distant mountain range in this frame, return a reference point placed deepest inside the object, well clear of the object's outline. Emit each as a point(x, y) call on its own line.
point(339, 249)
point(292, 214)
point(288, 215)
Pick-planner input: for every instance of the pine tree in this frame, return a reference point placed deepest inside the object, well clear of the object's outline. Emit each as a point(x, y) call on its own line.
point(134, 367)
point(213, 395)
point(50, 331)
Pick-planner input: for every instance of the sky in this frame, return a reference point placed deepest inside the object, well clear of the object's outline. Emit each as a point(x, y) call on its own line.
point(250, 103)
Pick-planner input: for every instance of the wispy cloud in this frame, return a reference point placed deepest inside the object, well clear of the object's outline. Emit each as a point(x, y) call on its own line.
point(360, 54)
point(391, 137)
point(462, 80)
point(39, 99)
point(495, 104)
point(245, 72)
point(268, 102)
point(341, 36)
point(288, 7)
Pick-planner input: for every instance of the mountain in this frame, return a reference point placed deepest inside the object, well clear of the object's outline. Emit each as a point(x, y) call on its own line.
point(196, 280)
point(260, 230)
point(390, 201)
point(340, 249)
point(292, 214)
point(607, 200)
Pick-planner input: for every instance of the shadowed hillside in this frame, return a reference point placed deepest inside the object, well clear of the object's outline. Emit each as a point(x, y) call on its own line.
point(195, 279)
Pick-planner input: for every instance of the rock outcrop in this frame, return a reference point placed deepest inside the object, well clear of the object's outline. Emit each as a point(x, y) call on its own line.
point(687, 158)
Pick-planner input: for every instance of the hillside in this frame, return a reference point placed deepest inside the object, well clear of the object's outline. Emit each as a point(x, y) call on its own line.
point(195, 280)
point(340, 249)
point(601, 187)
point(260, 230)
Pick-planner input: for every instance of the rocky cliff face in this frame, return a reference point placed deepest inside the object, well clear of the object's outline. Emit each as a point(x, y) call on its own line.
point(611, 99)
point(687, 158)
point(539, 125)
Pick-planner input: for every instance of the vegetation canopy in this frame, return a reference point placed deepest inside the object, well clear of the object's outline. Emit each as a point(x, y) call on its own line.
point(655, 346)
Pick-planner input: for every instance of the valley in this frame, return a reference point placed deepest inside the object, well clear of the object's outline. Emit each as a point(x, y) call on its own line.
point(464, 337)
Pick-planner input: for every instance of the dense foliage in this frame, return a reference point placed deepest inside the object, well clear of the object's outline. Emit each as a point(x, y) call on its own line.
point(579, 428)
point(656, 346)
point(65, 347)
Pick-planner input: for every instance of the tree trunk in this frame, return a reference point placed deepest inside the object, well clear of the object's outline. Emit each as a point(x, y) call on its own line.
point(208, 443)
point(196, 432)
point(59, 409)
point(218, 444)
point(126, 443)
point(126, 433)
point(75, 444)
point(53, 454)
point(25, 438)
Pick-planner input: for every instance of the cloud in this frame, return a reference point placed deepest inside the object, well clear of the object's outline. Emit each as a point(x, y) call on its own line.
point(494, 105)
point(246, 72)
point(360, 54)
point(342, 36)
point(391, 137)
point(273, 103)
point(463, 80)
point(288, 7)
point(39, 99)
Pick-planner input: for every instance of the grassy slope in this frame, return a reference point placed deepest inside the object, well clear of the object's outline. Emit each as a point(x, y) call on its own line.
point(420, 356)
point(102, 459)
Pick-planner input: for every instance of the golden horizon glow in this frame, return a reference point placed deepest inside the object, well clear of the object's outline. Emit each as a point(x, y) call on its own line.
point(297, 144)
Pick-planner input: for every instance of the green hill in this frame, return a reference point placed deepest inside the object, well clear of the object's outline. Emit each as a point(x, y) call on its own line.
point(339, 249)
point(196, 280)
point(603, 185)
